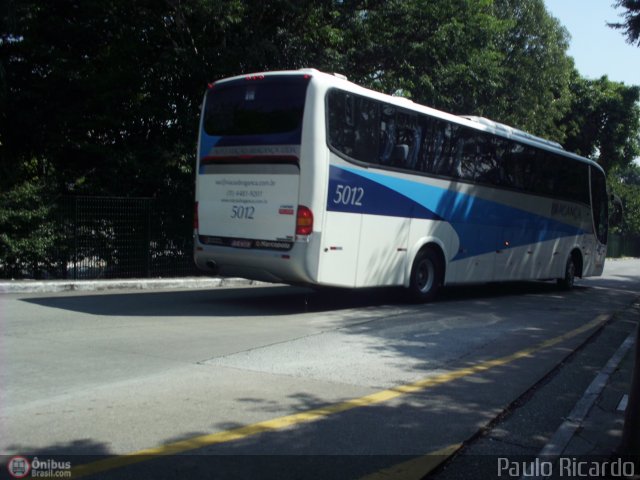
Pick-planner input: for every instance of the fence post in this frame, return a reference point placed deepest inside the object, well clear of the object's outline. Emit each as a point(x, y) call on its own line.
point(75, 238)
point(148, 238)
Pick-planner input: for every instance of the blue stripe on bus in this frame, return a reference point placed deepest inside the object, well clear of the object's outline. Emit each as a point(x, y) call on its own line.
point(361, 195)
point(478, 222)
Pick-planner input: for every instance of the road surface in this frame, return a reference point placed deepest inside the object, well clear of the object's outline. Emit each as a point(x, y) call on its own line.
point(278, 370)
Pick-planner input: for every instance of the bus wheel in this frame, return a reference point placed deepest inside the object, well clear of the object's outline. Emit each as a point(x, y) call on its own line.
point(426, 275)
point(566, 283)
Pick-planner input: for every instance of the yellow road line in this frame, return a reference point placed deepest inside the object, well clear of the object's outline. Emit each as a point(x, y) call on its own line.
point(416, 468)
point(323, 412)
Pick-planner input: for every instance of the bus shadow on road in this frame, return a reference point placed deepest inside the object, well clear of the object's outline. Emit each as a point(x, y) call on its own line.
point(272, 300)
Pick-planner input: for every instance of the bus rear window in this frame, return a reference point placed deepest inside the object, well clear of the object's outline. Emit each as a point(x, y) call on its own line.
point(264, 106)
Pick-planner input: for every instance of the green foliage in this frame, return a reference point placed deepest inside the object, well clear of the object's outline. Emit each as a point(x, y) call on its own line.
point(624, 182)
point(604, 121)
point(631, 24)
point(27, 229)
point(102, 97)
point(441, 53)
point(534, 94)
point(107, 92)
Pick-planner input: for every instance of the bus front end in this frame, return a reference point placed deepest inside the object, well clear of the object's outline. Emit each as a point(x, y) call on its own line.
point(248, 218)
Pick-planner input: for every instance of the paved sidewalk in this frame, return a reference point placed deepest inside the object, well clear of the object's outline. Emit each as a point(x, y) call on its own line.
point(597, 437)
point(600, 432)
point(44, 286)
point(562, 428)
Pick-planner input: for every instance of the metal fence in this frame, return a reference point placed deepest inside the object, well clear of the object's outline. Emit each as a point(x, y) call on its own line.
point(623, 246)
point(107, 237)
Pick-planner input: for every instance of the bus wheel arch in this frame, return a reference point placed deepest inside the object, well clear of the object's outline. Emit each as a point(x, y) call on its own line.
point(427, 273)
point(573, 268)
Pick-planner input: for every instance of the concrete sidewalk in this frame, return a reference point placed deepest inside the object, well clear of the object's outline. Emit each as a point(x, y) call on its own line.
point(558, 427)
point(52, 286)
point(600, 431)
point(592, 433)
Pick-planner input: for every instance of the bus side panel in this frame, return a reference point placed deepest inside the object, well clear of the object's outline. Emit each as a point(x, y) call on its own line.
point(524, 262)
point(595, 264)
point(520, 256)
point(382, 257)
point(314, 159)
point(339, 250)
point(593, 253)
point(440, 233)
point(476, 268)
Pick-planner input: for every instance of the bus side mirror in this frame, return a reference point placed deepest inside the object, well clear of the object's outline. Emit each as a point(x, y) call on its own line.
point(615, 217)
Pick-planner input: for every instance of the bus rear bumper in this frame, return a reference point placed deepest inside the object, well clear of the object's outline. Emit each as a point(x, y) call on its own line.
point(274, 266)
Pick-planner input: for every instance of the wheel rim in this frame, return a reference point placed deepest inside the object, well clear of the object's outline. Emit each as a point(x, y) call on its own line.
point(425, 276)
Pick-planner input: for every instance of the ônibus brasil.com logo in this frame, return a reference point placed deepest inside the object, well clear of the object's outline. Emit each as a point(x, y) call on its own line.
point(19, 467)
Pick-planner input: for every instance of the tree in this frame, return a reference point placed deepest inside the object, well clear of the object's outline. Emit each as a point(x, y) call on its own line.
point(504, 59)
point(631, 24)
point(535, 94)
point(106, 94)
point(28, 234)
point(431, 51)
point(604, 121)
point(624, 182)
point(103, 96)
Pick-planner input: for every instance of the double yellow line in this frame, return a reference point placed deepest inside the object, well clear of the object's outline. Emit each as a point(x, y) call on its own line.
point(324, 412)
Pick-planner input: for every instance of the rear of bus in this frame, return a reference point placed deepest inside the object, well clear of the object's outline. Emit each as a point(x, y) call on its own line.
point(248, 218)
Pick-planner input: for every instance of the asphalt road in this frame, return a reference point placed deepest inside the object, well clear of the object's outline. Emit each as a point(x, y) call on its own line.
point(276, 370)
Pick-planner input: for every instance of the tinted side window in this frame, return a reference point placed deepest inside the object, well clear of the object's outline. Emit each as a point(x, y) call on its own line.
point(466, 154)
point(445, 142)
point(379, 133)
point(340, 124)
point(599, 204)
point(353, 125)
point(572, 180)
point(520, 165)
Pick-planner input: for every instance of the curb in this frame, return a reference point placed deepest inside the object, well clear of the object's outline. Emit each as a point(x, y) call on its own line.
point(574, 422)
point(52, 286)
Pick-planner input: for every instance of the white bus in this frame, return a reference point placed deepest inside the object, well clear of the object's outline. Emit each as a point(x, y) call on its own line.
point(306, 178)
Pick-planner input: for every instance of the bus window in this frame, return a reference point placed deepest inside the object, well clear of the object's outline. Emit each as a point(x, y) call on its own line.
point(572, 180)
point(599, 204)
point(388, 134)
point(491, 168)
point(415, 140)
point(353, 125)
point(521, 165)
point(367, 119)
point(463, 157)
point(273, 105)
point(340, 123)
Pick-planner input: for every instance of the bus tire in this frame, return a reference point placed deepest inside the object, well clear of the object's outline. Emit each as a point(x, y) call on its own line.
point(426, 276)
point(570, 270)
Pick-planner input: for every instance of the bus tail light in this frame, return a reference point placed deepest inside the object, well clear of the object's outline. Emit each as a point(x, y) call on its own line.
point(304, 221)
point(195, 217)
